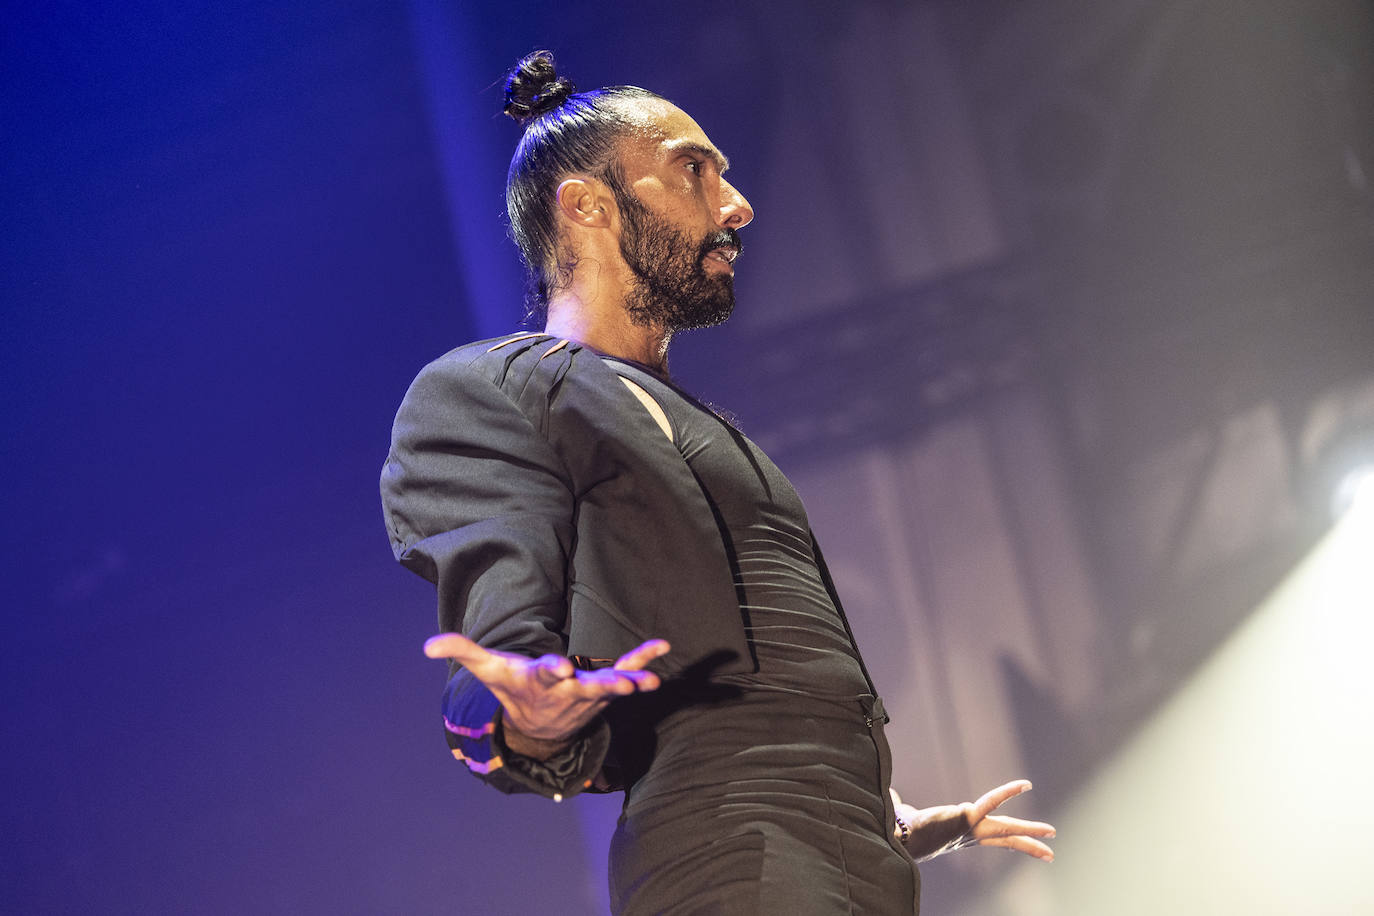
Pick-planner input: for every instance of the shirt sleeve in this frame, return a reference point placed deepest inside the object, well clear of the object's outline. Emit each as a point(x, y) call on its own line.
point(477, 502)
point(480, 745)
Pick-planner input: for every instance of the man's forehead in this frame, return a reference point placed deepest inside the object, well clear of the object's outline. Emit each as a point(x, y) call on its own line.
point(663, 129)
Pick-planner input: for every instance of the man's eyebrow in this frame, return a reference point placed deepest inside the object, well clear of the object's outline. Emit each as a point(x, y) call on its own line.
point(708, 152)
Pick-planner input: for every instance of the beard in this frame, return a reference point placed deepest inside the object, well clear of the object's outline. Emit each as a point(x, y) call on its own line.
point(672, 289)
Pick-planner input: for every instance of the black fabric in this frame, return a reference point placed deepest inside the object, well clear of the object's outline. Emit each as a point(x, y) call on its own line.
point(523, 481)
point(553, 515)
point(567, 772)
point(764, 791)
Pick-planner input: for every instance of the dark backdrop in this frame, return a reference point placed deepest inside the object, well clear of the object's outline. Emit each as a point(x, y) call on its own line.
point(234, 232)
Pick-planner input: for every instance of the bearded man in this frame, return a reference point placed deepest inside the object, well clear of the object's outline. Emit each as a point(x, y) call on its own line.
point(630, 590)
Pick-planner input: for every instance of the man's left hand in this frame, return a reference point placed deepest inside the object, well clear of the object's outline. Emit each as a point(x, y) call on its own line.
point(944, 828)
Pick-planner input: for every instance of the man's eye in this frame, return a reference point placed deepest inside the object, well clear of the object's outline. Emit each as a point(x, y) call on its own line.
point(694, 165)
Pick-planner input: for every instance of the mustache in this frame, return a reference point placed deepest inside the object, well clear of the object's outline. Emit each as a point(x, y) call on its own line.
point(721, 238)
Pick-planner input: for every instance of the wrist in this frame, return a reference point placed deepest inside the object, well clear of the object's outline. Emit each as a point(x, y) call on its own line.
point(528, 745)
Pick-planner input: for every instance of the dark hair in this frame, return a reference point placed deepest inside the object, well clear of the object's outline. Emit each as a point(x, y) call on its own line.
point(566, 132)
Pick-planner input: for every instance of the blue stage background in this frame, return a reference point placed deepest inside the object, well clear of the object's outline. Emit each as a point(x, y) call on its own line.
point(235, 232)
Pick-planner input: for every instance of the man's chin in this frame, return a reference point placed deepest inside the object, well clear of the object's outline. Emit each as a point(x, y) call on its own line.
point(718, 314)
point(710, 302)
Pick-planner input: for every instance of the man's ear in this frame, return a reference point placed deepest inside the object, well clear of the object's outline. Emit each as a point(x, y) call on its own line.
point(583, 202)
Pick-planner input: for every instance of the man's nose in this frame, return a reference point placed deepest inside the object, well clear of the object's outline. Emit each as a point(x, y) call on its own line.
point(735, 212)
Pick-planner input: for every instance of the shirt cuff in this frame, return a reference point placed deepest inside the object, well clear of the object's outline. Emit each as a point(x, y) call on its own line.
point(472, 720)
point(565, 774)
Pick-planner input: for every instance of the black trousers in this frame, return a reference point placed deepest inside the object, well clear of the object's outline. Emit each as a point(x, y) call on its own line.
point(767, 802)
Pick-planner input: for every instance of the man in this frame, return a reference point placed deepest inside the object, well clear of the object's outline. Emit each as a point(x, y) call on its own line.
point(632, 595)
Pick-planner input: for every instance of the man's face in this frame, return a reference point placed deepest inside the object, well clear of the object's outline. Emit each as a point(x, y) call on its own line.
point(678, 222)
point(673, 287)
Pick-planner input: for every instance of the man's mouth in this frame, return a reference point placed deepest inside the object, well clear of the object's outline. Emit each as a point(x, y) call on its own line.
point(725, 255)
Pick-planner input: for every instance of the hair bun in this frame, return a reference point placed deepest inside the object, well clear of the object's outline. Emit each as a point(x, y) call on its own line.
point(534, 88)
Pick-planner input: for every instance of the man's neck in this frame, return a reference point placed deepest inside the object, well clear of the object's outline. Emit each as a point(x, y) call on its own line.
point(608, 330)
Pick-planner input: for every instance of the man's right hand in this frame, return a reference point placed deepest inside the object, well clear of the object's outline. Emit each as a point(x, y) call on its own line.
point(546, 701)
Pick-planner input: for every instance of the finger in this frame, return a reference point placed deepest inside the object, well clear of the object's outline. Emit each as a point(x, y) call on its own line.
point(462, 650)
point(1025, 844)
point(896, 799)
point(642, 680)
point(1000, 826)
point(498, 670)
point(993, 799)
point(495, 668)
point(551, 669)
point(641, 655)
point(609, 681)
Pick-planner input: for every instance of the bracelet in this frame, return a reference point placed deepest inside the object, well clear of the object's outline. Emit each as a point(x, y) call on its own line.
point(903, 828)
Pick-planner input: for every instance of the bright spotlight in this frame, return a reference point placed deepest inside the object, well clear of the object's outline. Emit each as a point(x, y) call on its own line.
point(1339, 475)
point(1354, 491)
